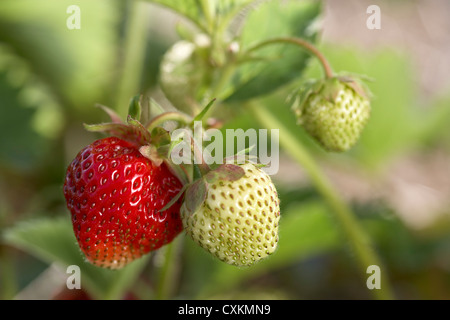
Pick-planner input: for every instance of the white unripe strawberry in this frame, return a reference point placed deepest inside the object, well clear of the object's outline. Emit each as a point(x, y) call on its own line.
point(238, 220)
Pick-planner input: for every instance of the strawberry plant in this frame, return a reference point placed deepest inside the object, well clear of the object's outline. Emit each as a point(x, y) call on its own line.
point(128, 198)
point(139, 207)
point(125, 196)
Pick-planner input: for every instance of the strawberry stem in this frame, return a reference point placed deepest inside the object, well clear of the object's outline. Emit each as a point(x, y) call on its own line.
point(169, 274)
point(128, 78)
point(200, 116)
point(168, 116)
point(301, 43)
point(198, 155)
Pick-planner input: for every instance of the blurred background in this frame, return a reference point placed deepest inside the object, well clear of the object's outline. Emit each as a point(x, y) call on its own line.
point(397, 179)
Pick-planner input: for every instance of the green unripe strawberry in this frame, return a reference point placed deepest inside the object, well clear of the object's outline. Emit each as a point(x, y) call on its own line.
point(333, 111)
point(238, 220)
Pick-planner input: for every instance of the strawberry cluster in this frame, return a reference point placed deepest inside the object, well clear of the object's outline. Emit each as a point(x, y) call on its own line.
point(127, 198)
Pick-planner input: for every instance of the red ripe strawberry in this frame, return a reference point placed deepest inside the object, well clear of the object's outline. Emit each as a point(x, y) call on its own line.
point(114, 195)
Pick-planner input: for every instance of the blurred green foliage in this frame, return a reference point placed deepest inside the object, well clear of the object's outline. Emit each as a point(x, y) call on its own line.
point(50, 79)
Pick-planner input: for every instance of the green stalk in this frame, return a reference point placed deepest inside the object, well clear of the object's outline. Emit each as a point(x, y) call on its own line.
point(208, 11)
point(230, 67)
point(357, 237)
point(7, 275)
point(169, 272)
point(298, 42)
point(168, 116)
point(134, 51)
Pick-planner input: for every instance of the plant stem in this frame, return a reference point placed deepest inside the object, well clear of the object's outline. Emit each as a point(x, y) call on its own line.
point(209, 14)
point(357, 237)
point(199, 161)
point(7, 275)
point(134, 51)
point(227, 72)
point(168, 275)
point(168, 116)
point(301, 43)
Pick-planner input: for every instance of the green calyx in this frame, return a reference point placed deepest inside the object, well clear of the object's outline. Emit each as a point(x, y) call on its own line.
point(139, 127)
point(145, 127)
point(328, 89)
point(196, 191)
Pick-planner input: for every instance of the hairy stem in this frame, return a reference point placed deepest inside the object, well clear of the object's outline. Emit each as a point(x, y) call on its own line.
point(197, 151)
point(168, 116)
point(359, 241)
point(301, 43)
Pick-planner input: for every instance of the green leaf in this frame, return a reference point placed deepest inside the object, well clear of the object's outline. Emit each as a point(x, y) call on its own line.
point(232, 11)
point(115, 118)
point(133, 131)
point(21, 147)
point(53, 240)
point(191, 9)
point(142, 135)
point(200, 116)
point(208, 15)
point(78, 77)
point(160, 137)
point(282, 63)
point(305, 230)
